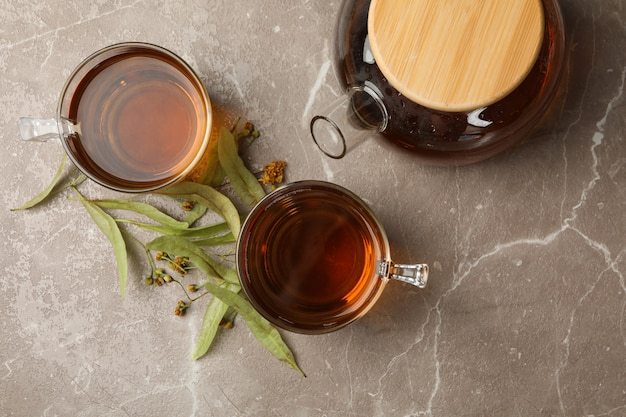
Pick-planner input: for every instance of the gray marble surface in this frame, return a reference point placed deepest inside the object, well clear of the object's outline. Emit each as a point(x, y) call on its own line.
point(525, 313)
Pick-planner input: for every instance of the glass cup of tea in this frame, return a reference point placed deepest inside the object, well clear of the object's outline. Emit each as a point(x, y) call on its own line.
point(133, 117)
point(312, 258)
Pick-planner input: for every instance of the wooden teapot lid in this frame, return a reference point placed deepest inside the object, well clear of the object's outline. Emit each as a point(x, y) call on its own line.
point(455, 55)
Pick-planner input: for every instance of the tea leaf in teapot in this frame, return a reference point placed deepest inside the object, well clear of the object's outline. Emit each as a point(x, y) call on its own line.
point(241, 179)
point(109, 227)
point(213, 316)
point(46, 192)
point(262, 329)
point(209, 197)
point(145, 209)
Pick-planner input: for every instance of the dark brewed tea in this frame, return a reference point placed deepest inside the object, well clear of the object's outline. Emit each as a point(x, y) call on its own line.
point(452, 137)
point(308, 258)
point(142, 120)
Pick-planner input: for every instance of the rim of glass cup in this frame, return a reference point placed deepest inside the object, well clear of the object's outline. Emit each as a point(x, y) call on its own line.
point(277, 195)
point(113, 50)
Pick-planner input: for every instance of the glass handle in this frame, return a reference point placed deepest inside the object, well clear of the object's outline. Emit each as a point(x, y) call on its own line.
point(345, 122)
point(412, 274)
point(38, 130)
point(42, 130)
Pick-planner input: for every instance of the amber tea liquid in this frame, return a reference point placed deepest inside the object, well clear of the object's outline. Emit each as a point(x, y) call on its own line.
point(308, 259)
point(142, 120)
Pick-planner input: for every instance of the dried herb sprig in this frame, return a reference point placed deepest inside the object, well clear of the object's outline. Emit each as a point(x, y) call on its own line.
point(182, 246)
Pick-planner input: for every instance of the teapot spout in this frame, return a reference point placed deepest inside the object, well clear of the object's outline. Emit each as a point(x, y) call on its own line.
point(343, 125)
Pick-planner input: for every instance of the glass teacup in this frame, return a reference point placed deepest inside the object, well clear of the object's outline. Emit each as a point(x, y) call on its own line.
point(312, 258)
point(133, 117)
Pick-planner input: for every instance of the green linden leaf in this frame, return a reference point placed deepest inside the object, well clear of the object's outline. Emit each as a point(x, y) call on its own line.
point(262, 329)
point(46, 192)
point(180, 238)
point(241, 179)
point(213, 233)
point(109, 227)
point(209, 197)
point(214, 172)
point(213, 315)
point(195, 213)
point(181, 246)
point(142, 208)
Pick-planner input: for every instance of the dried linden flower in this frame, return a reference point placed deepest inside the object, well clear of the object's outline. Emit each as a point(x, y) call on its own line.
point(273, 173)
point(187, 205)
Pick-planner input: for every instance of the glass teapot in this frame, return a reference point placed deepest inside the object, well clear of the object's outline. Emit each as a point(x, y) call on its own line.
point(453, 81)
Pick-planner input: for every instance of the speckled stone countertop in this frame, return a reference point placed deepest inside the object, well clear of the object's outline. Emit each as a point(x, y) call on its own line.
point(525, 312)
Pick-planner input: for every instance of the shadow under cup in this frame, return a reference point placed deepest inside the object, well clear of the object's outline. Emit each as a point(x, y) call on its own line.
point(134, 117)
point(312, 257)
